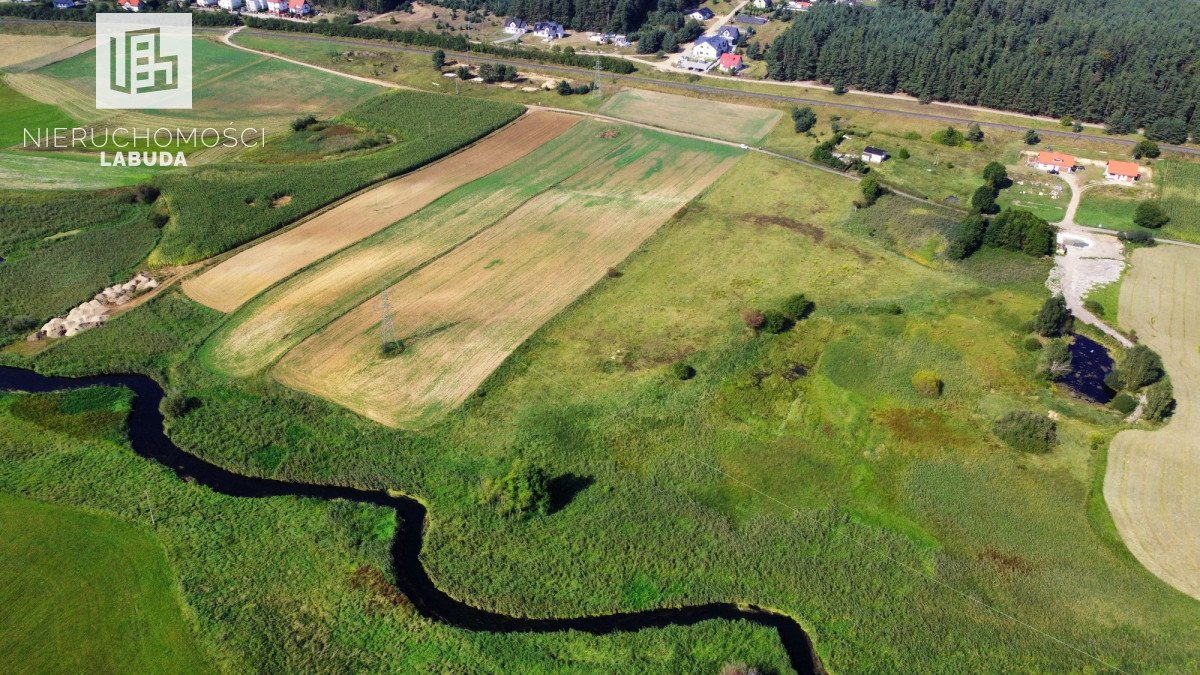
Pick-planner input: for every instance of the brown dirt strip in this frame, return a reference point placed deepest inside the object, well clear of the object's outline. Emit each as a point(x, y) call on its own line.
point(231, 283)
point(1152, 477)
point(462, 315)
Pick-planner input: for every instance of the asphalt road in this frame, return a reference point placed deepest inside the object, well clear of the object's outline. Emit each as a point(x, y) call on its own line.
point(587, 74)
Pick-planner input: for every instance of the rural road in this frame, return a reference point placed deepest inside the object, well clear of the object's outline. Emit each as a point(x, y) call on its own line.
point(587, 74)
point(1150, 483)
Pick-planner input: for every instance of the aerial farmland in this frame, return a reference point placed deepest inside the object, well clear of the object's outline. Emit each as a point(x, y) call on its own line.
point(471, 354)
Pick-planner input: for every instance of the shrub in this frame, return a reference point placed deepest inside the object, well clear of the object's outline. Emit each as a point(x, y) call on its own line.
point(524, 491)
point(1140, 367)
point(983, 200)
point(1123, 403)
point(927, 383)
point(871, 190)
point(1146, 148)
point(948, 136)
point(1160, 401)
point(564, 88)
point(392, 348)
point(753, 318)
point(682, 371)
point(144, 194)
point(1055, 360)
point(902, 153)
point(775, 321)
point(1093, 306)
point(1150, 215)
point(612, 273)
point(974, 133)
point(803, 119)
point(177, 405)
point(1020, 230)
point(996, 175)
point(797, 307)
point(1135, 236)
point(969, 239)
point(1032, 137)
point(1032, 344)
point(463, 73)
point(1026, 432)
point(1053, 319)
point(302, 123)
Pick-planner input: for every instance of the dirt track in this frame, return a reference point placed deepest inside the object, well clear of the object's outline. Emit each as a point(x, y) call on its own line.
point(234, 281)
point(1152, 478)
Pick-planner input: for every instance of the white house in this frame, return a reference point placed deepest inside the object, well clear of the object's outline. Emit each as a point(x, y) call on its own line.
point(515, 26)
point(64, 4)
point(1123, 172)
point(620, 41)
point(701, 14)
point(256, 5)
point(298, 7)
point(229, 4)
point(874, 155)
point(549, 30)
point(277, 6)
point(799, 5)
point(762, 4)
point(730, 33)
point(1054, 162)
point(710, 48)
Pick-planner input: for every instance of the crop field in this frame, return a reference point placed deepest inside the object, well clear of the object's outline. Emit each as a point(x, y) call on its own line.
point(464, 313)
point(1179, 183)
point(230, 87)
point(234, 281)
point(19, 112)
point(730, 121)
point(1151, 474)
point(218, 207)
point(15, 49)
point(86, 592)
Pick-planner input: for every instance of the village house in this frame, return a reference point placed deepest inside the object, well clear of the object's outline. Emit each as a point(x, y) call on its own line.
point(206, 3)
point(701, 14)
point(762, 4)
point(620, 41)
point(64, 4)
point(549, 30)
point(730, 33)
point(874, 155)
point(799, 5)
point(515, 26)
point(256, 5)
point(1054, 162)
point(1124, 172)
point(229, 5)
point(277, 6)
point(298, 7)
point(130, 5)
point(730, 63)
point(710, 48)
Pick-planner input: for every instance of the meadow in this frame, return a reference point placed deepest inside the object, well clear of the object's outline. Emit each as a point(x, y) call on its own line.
point(95, 583)
point(234, 281)
point(461, 315)
point(19, 112)
point(220, 206)
point(1110, 206)
point(800, 471)
point(728, 121)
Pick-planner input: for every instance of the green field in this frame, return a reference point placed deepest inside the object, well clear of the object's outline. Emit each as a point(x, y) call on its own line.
point(1179, 183)
point(1110, 207)
point(64, 171)
point(19, 112)
point(728, 121)
point(85, 592)
point(217, 207)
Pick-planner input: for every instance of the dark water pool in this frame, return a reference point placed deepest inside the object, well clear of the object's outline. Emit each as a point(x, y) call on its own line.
point(1090, 364)
point(147, 438)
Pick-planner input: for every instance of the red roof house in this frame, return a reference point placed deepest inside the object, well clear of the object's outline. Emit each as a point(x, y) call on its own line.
point(1054, 161)
point(130, 5)
point(730, 63)
point(1126, 172)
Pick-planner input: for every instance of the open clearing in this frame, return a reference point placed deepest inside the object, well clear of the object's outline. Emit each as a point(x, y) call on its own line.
point(84, 592)
point(231, 283)
point(730, 121)
point(1151, 481)
point(464, 313)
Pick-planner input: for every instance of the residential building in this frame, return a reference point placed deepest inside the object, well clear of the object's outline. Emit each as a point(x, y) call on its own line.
point(549, 30)
point(710, 48)
point(874, 155)
point(1124, 172)
point(799, 5)
point(730, 63)
point(1054, 162)
point(701, 14)
point(229, 5)
point(256, 5)
point(762, 4)
point(298, 7)
point(64, 4)
point(130, 5)
point(730, 33)
point(515, 26)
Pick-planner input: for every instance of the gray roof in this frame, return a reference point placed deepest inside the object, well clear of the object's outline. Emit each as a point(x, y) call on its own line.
point(514, 21)
point(704, 11)
point(719, 43)
point(730, 33)
point(872, 150)
point(752, 20)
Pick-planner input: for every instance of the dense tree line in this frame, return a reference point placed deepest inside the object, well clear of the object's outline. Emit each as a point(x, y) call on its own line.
point(1129, 63)
point(620, 16)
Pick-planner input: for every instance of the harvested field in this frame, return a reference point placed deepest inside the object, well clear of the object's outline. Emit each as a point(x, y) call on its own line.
point(233, 282)
point(1150, 485)
point(730, 121)
point(16, 49)
point(264, 329)
point(463, 314)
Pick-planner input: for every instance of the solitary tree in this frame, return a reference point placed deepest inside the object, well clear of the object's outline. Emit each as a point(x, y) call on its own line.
point(523, 492)
point(564, 88)
point(1150, 214)
point(996, 175)
point(1032, 138)
point(974, 133)
point(439, 59)
point(871, 190)
point(803, 118)
point(1160, 400)
point(984, 199)
point(1145, 148)
point(1140, 367)
point(1053, 319)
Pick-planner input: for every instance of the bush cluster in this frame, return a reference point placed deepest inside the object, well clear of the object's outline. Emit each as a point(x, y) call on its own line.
point(1026, 432)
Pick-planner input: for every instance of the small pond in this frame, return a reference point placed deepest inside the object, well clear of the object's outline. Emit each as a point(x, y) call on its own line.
point(1090, 364)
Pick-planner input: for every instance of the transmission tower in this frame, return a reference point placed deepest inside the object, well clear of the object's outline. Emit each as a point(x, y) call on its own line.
point(387, 327)
point(596, 80)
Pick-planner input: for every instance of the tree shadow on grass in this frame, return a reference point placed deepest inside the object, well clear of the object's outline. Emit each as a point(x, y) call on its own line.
point(564, 488)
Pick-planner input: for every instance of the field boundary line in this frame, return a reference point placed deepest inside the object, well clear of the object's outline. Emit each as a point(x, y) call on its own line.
point(369, 80)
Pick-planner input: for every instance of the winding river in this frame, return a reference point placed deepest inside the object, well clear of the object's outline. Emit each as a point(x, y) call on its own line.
point(148, 440)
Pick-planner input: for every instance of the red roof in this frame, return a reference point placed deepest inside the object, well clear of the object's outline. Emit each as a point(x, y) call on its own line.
point(1056, 159)
point(297, 4)
point(730, 61)
point(131, 3)
point(1119, 168)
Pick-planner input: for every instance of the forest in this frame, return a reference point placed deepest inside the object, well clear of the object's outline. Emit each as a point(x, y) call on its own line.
point(622, 16)
point(1127, 64)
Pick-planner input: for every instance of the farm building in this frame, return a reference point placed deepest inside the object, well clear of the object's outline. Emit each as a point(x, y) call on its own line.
point(730, 63)
point(701, 14)
point(730, 33)
point(874, 155)
point(515, 26)
point(1054, 161)
point(549, 30)
point(229, 5)
point(710, 48)
point(1124, 172)
point(130, 5)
